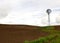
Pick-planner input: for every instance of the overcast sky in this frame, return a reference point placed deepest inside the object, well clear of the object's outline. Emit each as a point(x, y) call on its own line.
point(31, 12)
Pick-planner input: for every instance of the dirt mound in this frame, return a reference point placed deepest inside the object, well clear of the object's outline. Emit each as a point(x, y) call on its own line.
point(19, 33)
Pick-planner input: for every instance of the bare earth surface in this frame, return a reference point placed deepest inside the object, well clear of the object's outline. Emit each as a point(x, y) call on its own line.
point(57, 28)
point(19, 33)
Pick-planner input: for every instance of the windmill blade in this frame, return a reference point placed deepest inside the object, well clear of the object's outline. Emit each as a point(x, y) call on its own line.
point(56, 9)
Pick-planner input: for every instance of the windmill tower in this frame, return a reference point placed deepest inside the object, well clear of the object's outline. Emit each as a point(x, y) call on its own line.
point(48, 11)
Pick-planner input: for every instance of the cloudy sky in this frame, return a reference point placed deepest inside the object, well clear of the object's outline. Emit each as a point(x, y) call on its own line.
point(30, 12)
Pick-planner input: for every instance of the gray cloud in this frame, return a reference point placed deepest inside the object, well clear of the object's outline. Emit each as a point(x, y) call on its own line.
point(28, 9)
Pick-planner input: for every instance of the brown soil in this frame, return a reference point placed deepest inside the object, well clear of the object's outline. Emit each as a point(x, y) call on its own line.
point(19, 33)
point(57, 28)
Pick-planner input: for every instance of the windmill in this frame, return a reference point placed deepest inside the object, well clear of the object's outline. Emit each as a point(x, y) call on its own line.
point(48, 11)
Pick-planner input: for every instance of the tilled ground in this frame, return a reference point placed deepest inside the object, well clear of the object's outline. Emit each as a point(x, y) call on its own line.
point(19, 33)
point(57, 28)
